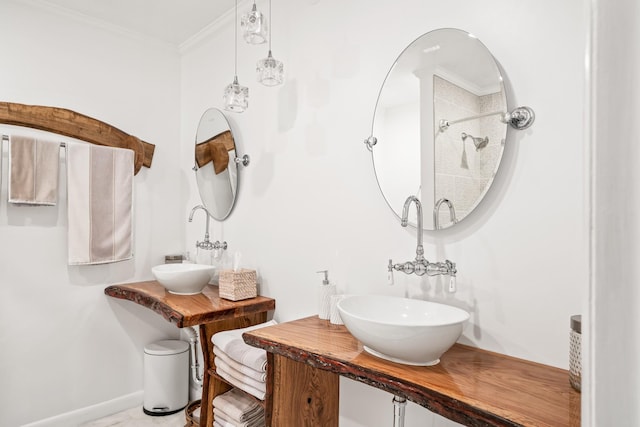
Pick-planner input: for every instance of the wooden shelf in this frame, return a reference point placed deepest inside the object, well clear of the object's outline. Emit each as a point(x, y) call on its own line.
point(208, 311)
point(215, 375)
point(470, 386)
point(76, 125)
point(188, 310)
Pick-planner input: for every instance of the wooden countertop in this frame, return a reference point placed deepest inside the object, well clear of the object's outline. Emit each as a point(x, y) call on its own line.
point(188, 310)
point(471, 386)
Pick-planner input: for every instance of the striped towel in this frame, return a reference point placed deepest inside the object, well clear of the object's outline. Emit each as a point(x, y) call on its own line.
point(238, 406)
point(100, 199)
point(226, 421)
point(33, 171)
point(241, 385)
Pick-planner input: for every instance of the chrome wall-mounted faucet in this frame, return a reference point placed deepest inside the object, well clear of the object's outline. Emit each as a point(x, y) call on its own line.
point(436, 211)
point(206, 243)
point(420, 266)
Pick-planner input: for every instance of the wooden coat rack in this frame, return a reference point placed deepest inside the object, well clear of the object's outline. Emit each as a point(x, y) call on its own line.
point(76, 125)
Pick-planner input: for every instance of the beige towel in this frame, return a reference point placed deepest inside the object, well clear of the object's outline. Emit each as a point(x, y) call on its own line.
point(258, 385)
point(100, 198)
point(226, 421)
point(238, 406)
point(244, 369)
point(239, 384)
point(233, 345)
point(33, 171)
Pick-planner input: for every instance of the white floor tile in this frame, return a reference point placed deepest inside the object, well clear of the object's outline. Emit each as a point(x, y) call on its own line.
point(135, 417)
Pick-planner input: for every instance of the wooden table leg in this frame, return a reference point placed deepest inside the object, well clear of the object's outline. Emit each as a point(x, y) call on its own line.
point(303, 396)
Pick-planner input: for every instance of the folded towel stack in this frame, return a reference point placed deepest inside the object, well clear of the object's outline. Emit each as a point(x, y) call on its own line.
point(240, 364)
point(236, 409)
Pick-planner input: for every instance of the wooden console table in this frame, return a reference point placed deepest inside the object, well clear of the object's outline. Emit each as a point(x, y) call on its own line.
point(209, 311)
point(470, 386)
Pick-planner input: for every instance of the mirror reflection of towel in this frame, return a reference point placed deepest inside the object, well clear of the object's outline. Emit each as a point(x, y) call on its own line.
point(215, 149)
point(33, 171)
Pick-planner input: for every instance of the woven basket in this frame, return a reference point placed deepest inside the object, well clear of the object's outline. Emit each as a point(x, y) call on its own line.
point(191, 420)
point(237, 285)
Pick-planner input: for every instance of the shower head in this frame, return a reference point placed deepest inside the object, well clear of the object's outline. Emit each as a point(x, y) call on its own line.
point(478, 142)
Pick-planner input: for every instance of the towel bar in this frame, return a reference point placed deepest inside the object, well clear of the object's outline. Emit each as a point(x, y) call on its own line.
point(6, 138)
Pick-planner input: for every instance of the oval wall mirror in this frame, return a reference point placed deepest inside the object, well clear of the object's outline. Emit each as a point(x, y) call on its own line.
point(216, 168)
point(439, 127)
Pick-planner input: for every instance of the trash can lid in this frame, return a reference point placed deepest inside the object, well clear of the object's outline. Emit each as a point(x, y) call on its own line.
point(166, 347)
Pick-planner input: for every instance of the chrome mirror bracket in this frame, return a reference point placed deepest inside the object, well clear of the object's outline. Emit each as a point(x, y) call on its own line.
point(370, 142)
point(520, 118)
point(244, 160)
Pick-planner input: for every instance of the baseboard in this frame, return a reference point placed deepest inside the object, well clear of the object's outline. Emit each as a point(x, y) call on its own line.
point(89, 413)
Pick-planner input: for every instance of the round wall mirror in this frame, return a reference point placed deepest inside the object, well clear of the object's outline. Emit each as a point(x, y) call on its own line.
point(439, 125)
point(216, 168)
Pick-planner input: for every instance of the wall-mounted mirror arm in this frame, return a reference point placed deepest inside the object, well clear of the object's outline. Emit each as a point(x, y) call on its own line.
point(244, 160)
point(520, 118)
point(370, 142)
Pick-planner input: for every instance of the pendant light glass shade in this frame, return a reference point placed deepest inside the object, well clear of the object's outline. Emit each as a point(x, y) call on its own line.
point(236, 97)
point(254, 26)
point(270, 71)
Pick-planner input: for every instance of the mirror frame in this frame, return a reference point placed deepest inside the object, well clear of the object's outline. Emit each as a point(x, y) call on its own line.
point(221, 151)
point(505, 118)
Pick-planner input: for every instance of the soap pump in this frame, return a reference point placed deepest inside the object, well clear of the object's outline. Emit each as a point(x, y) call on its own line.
point(324, 296)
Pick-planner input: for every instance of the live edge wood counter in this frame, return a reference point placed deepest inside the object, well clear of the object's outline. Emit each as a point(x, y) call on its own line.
point(209, 311)
point(470, 386)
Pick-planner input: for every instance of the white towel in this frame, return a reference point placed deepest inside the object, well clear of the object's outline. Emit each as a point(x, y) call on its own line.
point(239, 384)
point(216, 423)
point(33, 171)
point(226, 421)
point(258, 385)
point(244, 369)
point(238, 406)
point(233, 345)
point(100, 199)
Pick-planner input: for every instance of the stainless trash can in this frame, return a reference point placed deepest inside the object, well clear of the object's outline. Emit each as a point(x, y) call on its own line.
point(166, 377)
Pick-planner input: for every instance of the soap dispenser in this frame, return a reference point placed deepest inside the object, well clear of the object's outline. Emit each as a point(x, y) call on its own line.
point(324, 296)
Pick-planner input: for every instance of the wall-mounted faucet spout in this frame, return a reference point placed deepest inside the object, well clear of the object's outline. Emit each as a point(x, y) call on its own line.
point(206, 243)
point(405, 221)
point(436, 211)
point(420, 266)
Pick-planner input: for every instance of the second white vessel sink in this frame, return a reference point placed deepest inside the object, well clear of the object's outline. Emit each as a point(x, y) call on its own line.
point(183, 279)
point(413, 332)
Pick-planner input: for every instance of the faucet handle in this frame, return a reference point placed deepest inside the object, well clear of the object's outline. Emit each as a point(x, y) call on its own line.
point(451, 268)
point(452, 284)
point(390, 280)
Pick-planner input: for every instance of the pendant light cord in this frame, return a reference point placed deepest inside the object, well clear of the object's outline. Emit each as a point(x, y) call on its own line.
point(271, 24)
point(235, 67)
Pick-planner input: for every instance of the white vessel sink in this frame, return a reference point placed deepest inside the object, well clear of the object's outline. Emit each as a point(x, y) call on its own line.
point(413, 332)
point(183, 279)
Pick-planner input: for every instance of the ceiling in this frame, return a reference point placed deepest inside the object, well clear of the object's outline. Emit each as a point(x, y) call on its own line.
point(171, 21)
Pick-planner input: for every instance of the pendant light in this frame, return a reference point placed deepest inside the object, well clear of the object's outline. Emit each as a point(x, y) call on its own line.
point(236, 97)
point(270, 71)
point(255, 26)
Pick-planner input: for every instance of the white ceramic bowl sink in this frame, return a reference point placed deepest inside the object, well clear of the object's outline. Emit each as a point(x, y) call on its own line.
point(183, 279)
point(413, 332)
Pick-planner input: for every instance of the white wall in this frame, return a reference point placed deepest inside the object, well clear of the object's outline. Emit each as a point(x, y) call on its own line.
point(65, 345)
point(614, 329)
point(309, 201)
